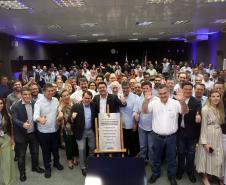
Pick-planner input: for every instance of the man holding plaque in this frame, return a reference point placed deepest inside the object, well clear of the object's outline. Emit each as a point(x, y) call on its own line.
point(82, 117)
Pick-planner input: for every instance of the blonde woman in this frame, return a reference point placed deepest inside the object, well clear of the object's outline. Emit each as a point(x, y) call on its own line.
point(68, 87)
point(69, 138)
point(209, 154)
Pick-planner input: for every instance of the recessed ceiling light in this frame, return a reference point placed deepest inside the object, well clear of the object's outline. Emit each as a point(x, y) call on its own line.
point(97, 34)
point(178, 38)
point(83, 40)
point(153, 38)
point(181, 22)
point(54, 26)
point(145, 23)
point(136, 33)
point(48, 41)
point(220, 21)
point(102, 40)
point(215, 1)
point(133, 39)
point(13, 5)
point(72, 35)
point(88, 24)
point(161, 33)
point(70, 3)
point(207, 33)
point(27, 37)
point(159, 1)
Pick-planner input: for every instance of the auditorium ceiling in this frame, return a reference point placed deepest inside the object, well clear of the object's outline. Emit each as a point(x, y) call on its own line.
point(85, 21)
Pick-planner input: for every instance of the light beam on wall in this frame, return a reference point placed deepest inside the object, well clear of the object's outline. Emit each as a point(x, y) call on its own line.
point(213, 39)
point(194, 52)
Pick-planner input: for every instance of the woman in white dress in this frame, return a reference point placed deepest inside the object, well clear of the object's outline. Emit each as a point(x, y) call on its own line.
point(209, 154)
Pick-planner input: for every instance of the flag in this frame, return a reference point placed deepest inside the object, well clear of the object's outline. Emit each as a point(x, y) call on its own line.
point(126, 59)
point(145, 59)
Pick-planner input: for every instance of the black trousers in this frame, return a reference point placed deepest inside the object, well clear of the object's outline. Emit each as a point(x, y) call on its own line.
point(49, 143)
point(186, 153)
point(32, 141)
point(131, 142)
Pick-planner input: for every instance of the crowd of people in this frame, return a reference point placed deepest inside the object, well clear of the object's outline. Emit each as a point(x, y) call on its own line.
point(172, 111)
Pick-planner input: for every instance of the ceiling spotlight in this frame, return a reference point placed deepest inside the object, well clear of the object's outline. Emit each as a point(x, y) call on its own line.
point(97, 34)
point(178, 38)
point(133, 39)
point(215, 1)
point(136, 33)
point(13, 5)
point(102, 40)
point(161, 33)
point(153, 38)
point(72, 35)
point(83, 40)
point(70, 3)
point(220, 21)
point(159, 1)
point(88, 24)
point(54, 26)
point(145, 23)
point(181, 22)
point(48, 41)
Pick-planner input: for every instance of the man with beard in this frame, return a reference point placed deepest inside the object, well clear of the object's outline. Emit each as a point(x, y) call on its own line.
point(11, 100)
point(34, 92)
point(182, 78)
point(157, 83)
point(77, 95)
point(14, 96)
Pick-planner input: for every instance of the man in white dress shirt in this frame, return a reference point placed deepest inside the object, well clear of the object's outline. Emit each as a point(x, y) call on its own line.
point(45, 114)
point(76, 97)
point(206, 81)
point(165, 112)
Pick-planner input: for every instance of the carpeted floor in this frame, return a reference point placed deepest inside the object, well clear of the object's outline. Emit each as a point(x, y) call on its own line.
point(74, 177)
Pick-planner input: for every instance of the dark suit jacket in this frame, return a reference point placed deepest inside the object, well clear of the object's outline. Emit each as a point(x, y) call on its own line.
point(113, 102)
point(37, 76)
point(78, 125)
point(19, 116)
point(192, 129)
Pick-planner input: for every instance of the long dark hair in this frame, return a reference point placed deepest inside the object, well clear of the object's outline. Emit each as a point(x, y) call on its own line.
point(5, 115)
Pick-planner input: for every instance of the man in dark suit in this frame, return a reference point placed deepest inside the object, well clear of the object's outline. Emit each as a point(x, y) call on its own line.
point(35, 74)
point(25, 132)
point(188, 134)
point(105, 101)
point(83, 116)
